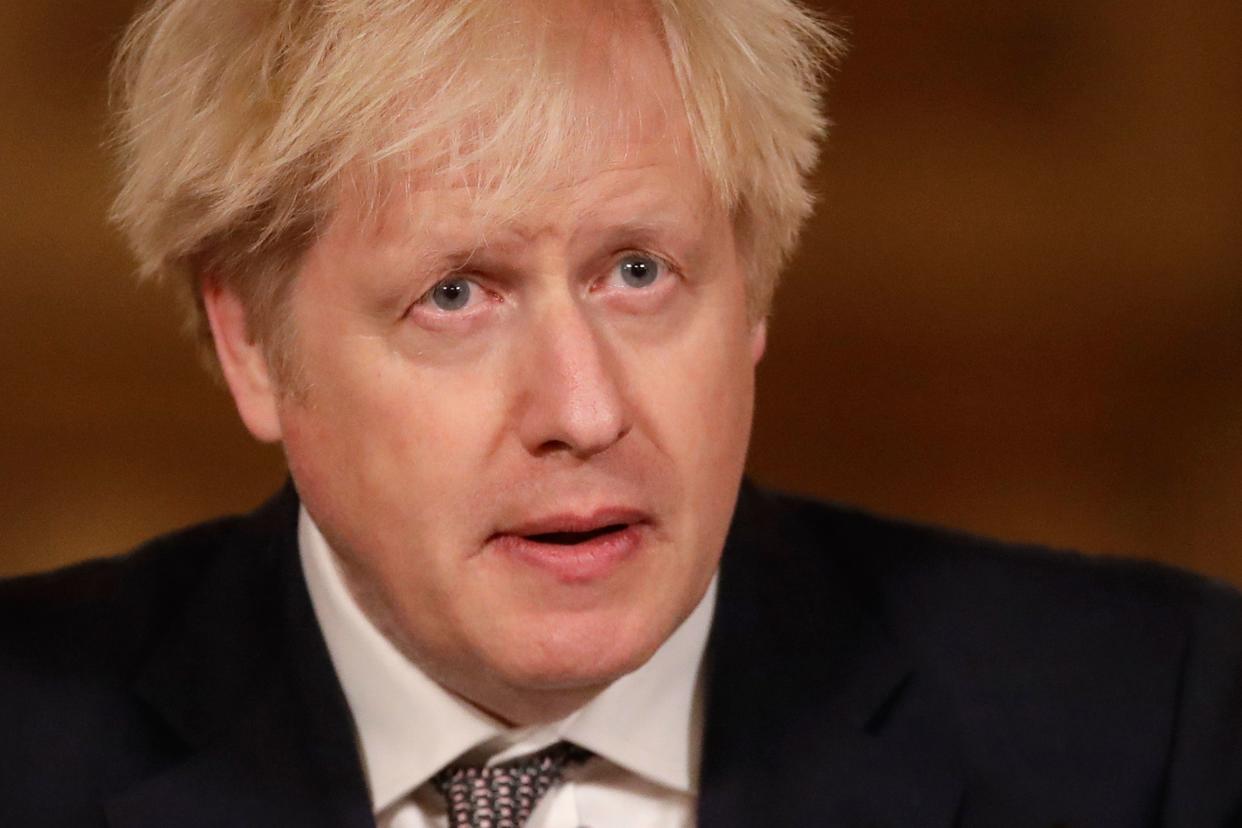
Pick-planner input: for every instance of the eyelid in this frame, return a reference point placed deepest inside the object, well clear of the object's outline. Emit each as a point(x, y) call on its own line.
point(641, 253)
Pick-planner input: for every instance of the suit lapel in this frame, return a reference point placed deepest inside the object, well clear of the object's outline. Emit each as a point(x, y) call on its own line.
point(815, 716)
point(246, 685)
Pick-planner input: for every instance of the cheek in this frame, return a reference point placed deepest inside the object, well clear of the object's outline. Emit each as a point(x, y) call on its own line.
point(726, 404)
point(698, 398)
point(387, 452)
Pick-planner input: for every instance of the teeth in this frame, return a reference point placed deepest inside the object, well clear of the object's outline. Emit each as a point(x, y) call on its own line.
point(570, 538)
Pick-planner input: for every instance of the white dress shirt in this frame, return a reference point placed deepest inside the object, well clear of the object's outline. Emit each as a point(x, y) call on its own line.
point(645, 729)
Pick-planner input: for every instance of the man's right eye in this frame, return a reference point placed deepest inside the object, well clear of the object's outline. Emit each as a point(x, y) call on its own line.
point(449, 295)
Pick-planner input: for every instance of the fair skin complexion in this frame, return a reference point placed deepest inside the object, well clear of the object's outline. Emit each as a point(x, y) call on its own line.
point(524, 438)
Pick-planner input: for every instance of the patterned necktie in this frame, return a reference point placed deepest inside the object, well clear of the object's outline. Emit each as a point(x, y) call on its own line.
point(503, 796)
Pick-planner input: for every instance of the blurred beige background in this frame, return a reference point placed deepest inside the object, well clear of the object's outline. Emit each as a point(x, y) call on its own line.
point(1018, 311)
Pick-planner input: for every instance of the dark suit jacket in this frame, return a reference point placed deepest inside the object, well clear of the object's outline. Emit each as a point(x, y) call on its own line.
point(860, 673)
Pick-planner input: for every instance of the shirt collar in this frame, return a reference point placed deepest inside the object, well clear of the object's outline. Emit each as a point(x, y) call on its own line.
point(409, 727)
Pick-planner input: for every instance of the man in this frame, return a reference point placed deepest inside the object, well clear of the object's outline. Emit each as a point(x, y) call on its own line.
point(495, 274)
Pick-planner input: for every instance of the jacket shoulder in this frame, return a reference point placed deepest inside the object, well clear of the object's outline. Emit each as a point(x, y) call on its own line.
point(1052, 659)
point(1060, 673)
point(81, 649)
point(944, 573)
point(103, 614)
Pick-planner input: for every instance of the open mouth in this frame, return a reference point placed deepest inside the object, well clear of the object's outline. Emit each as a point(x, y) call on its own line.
point(575, 548)
point(571, 538)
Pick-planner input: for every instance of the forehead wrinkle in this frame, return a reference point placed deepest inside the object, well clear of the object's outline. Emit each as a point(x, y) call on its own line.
point(442, 228)
point(451, 208)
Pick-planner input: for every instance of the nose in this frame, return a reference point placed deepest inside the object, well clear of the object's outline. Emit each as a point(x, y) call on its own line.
point(573, 401)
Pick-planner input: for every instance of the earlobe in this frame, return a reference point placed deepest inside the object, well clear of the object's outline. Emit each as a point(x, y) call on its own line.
point(758, 341)
point(242, 362)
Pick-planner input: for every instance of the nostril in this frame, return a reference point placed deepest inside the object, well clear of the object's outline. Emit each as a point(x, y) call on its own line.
point(555, 447)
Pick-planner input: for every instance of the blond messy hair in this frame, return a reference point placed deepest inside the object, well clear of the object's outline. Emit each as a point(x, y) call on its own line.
point(238, 121)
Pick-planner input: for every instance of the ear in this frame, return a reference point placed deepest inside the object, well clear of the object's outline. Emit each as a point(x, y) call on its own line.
point(243, 362)
point(758, 341)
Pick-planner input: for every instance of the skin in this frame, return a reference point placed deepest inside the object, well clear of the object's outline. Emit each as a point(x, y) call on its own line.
point(425, 440)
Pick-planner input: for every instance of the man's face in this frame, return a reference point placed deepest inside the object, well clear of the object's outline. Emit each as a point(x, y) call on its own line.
point(524, 438)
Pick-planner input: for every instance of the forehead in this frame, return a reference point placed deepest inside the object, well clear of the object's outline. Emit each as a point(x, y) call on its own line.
point(650, 192)
point(611, 136)
point(659, 199)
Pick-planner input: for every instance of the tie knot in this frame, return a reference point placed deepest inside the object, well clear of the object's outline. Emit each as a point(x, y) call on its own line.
point(503, 795)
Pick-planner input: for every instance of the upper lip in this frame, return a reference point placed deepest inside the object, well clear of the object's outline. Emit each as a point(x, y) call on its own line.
point(575, 521)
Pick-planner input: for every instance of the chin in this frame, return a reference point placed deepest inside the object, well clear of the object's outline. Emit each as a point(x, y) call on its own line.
point(569, 656)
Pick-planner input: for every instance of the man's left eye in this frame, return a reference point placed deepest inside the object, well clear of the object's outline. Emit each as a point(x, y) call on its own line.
point(453, 294)
point(638, 270)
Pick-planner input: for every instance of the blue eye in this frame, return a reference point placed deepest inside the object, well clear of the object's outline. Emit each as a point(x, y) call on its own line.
point(639, 271)
point(451, 294)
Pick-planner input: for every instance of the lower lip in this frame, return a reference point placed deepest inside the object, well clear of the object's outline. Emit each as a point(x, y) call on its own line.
point(579, 562)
